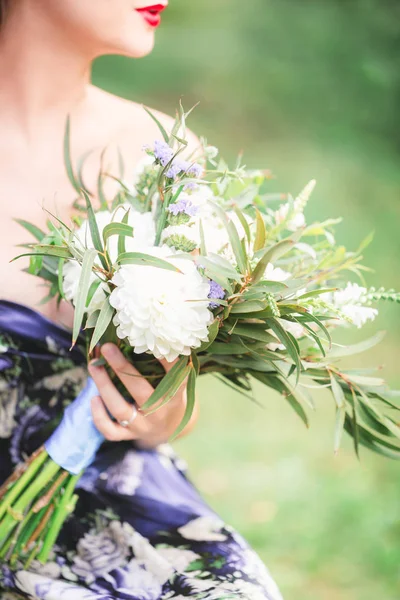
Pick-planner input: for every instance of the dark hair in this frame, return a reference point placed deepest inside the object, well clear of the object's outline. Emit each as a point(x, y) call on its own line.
point(3, 8)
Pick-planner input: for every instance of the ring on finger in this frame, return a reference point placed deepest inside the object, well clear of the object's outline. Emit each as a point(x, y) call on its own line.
point(126, 422)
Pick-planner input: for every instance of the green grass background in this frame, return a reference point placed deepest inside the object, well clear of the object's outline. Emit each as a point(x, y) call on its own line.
point(308, 89)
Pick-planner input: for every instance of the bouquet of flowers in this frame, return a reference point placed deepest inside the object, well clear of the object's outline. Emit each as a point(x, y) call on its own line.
point(197, 263)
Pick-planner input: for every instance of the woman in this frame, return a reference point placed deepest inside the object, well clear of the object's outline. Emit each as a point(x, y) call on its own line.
point(141, 530)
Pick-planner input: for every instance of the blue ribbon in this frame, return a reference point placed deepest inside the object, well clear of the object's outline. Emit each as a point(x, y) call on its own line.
point(74, 443)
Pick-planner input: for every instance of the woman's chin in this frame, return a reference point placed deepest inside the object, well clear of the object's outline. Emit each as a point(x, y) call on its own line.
point(136, 46)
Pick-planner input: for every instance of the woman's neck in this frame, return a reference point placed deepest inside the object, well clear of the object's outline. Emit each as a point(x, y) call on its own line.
point(44, 74)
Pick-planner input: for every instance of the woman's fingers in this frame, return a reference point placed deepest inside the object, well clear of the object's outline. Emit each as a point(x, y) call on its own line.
point(137, 386)
point(115, 402)
point(111, 431)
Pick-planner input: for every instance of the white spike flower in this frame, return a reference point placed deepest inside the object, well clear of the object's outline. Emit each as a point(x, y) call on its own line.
point(351, 302)
point(161, 311)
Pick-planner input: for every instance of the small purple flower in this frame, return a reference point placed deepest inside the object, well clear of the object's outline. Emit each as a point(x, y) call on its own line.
point(216, 291)
point(191, 186)
point(195, 170)
point(173, 170)
point(185, 206)
point(163, 152)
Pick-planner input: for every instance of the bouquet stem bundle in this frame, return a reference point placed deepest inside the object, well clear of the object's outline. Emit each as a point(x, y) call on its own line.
point(35, 502)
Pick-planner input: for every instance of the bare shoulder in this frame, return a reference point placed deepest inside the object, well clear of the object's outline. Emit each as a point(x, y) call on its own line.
point(128, 125)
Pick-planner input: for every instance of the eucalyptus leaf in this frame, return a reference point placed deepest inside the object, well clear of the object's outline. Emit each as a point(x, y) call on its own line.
point(169, 385)
point(271, 254)
point(83, 289)
point(190, 403)
point(104, 319)
point(147, 260)
point(120, 229)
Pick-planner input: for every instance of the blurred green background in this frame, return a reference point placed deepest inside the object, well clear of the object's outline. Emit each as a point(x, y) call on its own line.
point(308, 89)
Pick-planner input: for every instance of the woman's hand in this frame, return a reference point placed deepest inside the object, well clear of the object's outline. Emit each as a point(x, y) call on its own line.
point(149, 430)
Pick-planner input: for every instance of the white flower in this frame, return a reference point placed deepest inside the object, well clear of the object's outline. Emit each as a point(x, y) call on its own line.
point(148, 557)
point(42, 588)
point(276, 274)
point(144, 236)
point(244, 590)
point(350, 301)
point(203, 529)
point(125, 476)
point(297, 220)
point(100, 553)
point(179, 558)
point(162, 311)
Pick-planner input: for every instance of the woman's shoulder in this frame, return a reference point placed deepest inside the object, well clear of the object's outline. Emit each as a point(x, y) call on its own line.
point(127, 123)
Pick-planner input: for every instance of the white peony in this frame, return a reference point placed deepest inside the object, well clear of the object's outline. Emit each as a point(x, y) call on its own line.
point(350, 301)
point(161, 311)
point(144, 236)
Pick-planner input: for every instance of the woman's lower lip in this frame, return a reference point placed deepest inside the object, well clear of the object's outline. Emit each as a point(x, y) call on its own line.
point(151, 14)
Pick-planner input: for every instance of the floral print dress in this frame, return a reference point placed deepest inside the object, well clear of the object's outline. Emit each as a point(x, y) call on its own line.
point(140, 530)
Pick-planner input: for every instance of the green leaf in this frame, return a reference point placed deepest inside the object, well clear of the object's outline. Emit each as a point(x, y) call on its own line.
point(47, 250)
point(103, 321)
point(219, 268)
point(94, 230)
point(358, 348)
point(92, 319)
point(243, 222)
point(261, 232)
point(100, 186)
point(287, 341)
point(203, 248)
point(271, 254)
point(254, 332)
point(337, 392)
point(310, 317)
point(121, 239)
point(33, 230)
point(60, 277)
point(147, 260)
point(248, 306)
point(170, 384)
point(120, 229)
point(159, 125)
point(83, 289)
point(94, 286)
point(67, 158)
point(196, 362)
point(226, 348)
point(234, 238)
point(212, 334)
point(316, 293)
point(366, 242)
point(190, 403)
point(339, 425)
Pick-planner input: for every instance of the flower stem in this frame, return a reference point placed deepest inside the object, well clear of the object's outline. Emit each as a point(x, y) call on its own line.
point(25, 479)
point(16, 512)
point(65, 506)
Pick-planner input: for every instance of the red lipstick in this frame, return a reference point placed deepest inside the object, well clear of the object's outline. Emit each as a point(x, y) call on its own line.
point(151, 14)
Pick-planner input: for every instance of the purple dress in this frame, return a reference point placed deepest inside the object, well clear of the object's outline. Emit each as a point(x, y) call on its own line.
point(141, 530)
